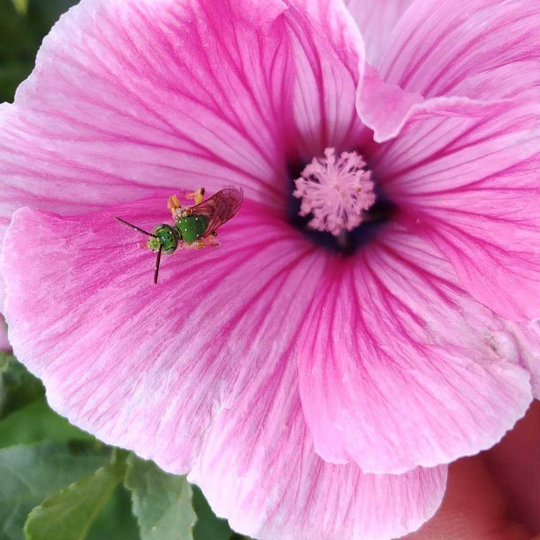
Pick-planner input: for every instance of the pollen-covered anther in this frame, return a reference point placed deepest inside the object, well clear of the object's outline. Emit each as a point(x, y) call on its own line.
point(336, 191)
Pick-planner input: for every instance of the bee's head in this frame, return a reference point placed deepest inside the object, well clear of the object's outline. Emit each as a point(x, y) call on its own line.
point(165, 236)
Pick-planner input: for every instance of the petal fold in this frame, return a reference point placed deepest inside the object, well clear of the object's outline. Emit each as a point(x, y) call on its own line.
point(399, 367)
point(527, 338)
point(386, 108)
point(383, 107)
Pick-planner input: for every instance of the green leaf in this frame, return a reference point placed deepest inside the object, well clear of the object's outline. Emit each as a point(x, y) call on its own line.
point(116, 521)
point(29, 474)
point(208, 526)
point(37, 422)
point(70, 513)
point(161, 501)
point(11, 75)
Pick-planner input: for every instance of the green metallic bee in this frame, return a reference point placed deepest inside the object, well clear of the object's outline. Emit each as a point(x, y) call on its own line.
point(194, 227)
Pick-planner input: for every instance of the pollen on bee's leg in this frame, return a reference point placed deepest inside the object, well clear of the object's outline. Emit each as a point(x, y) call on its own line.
point(173, 204)
point(337, 191)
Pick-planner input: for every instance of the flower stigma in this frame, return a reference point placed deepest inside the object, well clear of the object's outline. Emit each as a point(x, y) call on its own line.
point(336, 191)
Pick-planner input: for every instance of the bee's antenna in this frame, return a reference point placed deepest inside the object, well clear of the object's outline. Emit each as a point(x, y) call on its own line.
point(134, 227)
point(158, 262)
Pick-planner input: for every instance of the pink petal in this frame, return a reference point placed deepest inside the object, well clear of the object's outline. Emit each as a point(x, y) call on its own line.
point(4, 343)
point(471, 185)
point(376, 20)
point(527, 337)
point(203, 365)
point(399, 367)
point(141, 366)
point(259, 470)
point(131, 96)
point(481, 49)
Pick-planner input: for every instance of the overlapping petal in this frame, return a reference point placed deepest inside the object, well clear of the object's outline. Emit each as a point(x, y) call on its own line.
point(471, 186)
point(399, 367)
point(261, 471)
point(147, 367)
point(131, 96)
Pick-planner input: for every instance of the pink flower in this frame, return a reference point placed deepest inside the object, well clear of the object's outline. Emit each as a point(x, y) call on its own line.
point(314, 384)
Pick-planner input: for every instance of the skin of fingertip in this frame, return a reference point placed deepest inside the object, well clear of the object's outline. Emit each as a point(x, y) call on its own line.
point(474, 508)
point(515, 465)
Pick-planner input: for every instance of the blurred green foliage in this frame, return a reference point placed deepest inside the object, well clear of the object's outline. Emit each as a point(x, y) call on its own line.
point(56, 481)
point(23, 25)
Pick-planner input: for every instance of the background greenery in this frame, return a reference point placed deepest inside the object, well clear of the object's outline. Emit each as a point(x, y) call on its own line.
point(57, 482)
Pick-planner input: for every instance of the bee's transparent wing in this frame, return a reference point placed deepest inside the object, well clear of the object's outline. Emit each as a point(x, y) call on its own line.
point(219, 208)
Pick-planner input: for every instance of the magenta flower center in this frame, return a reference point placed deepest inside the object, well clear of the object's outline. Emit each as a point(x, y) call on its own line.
point(336, 191)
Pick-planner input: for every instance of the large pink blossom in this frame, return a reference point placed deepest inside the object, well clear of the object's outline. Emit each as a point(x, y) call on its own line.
point(314, 386)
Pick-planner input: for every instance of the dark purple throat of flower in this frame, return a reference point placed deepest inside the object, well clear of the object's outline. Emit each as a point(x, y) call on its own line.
point(336, 202)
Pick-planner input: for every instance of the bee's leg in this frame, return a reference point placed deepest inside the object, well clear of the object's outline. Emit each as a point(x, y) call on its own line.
point(173, 204)
point(198, 195)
